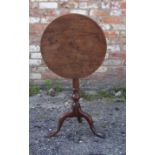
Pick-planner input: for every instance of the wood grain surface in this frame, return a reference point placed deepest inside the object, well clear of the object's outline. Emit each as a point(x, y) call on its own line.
point(73, 46)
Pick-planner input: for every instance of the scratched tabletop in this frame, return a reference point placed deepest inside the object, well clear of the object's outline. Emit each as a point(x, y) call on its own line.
point(73, 46)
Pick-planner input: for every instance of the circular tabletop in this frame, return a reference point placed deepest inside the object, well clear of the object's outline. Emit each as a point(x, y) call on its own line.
point(73, 46)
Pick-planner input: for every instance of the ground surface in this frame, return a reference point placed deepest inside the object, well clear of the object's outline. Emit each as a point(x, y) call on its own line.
point(75, 138)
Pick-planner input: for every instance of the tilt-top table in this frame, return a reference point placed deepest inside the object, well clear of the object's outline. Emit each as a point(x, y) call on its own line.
point(73, 46)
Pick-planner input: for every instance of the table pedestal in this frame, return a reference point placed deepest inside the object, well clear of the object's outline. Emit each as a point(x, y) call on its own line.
point(76, 112)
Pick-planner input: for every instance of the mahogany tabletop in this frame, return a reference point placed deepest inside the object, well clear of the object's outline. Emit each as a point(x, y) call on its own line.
point(73, 46)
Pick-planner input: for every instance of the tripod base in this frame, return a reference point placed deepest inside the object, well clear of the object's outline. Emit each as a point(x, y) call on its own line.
point(80, 114)
point(76, 112)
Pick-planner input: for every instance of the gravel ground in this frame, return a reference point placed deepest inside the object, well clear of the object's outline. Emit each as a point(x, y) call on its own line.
point(76, 138)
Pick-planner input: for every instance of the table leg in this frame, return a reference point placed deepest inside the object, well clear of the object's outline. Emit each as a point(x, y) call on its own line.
point(90, 122)
point(60, 123)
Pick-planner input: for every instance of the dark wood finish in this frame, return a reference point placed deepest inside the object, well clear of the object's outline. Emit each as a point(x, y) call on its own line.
point(75, 83)
point(73, 46)
point(76, 112)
